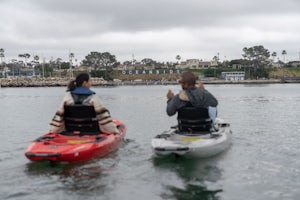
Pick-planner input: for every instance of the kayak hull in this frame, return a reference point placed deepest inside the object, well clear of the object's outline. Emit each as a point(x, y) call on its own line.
point(72, 148)
point(197, 145)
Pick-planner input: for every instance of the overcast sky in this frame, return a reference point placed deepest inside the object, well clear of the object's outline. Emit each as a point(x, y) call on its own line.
point(156, 29)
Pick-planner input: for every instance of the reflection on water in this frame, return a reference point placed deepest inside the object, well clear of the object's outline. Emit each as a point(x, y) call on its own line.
point(79, 177)
point(261, 163)
point(44, 168)
point(192, 192)
point(194, 173)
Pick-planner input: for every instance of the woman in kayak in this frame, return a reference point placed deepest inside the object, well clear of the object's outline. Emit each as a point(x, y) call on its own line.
point(79, 92)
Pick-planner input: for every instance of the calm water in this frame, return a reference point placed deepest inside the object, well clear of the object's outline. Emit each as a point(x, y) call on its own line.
point(263, 162)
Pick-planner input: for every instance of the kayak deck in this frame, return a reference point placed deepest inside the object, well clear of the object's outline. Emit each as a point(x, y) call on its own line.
point(200, 145)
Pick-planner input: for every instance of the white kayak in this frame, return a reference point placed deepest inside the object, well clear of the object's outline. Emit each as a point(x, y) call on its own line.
point(194, 144)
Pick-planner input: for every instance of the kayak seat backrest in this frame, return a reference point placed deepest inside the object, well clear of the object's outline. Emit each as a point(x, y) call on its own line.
point(191, 119)
point(81, 118)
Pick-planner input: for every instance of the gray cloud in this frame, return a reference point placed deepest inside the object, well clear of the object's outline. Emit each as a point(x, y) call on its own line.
point(160, 29)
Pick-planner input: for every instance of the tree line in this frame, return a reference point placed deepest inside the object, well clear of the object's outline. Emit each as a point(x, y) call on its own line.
point(255, 58)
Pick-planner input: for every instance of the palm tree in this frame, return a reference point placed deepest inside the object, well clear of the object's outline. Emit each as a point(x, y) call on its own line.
point(274, 54)
point(2, 54)
point(178, 58)
point(283, 54)
point(2, 57)
point(21, 56)
point(71, 56)
point(58, 61)
point(26, 56)
point(36, 59)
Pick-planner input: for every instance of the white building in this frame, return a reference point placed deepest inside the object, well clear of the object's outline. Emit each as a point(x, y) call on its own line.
point(196, 64)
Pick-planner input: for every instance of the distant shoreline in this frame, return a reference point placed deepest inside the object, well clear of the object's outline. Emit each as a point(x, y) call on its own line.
point(62, 82)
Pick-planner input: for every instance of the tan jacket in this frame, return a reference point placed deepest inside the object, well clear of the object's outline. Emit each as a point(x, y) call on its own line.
point(105, 121)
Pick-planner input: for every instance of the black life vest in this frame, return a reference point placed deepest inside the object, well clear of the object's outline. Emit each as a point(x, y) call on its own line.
point(191, 119)
point(81, 118)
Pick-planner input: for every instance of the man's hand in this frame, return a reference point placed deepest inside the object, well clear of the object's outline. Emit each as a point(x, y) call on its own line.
point(200, 85)
point(170, 94)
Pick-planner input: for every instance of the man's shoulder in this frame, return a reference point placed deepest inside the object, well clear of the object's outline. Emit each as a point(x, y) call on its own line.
point(183, 95)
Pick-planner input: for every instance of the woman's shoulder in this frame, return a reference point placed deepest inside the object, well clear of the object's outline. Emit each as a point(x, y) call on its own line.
point(83, 91)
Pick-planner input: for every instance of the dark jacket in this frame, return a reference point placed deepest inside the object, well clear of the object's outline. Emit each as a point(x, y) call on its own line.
point(192, 96)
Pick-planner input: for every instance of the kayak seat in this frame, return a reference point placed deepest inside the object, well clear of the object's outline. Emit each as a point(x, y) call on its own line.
point(81, 118)
point(191, 119)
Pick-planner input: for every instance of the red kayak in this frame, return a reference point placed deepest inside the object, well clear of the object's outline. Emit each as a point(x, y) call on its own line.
point(75, 147)
point(82, 139)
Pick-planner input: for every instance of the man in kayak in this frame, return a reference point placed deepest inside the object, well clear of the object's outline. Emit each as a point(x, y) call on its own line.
point(197, 96)
point(78, 92)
